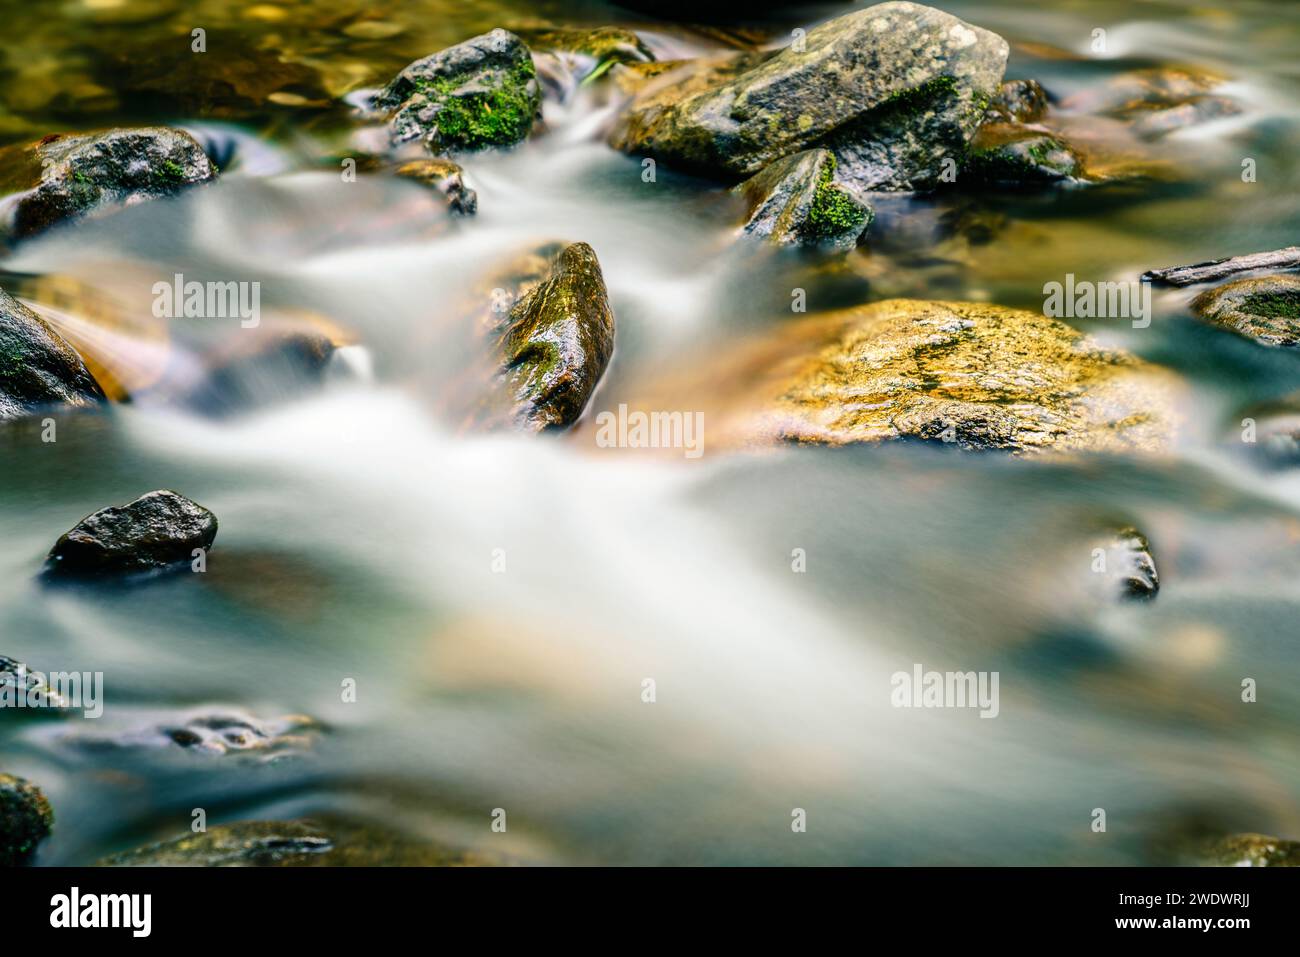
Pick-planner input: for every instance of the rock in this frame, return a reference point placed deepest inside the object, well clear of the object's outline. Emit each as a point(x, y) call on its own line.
point(38, 369)
point(1019, 101)
point(1275, 431)
point(555, 343)
point(1157, 100)
point(601, 44)
point(156, 530)
point(210, 732)
point(19, 681)
point(1202, 109)
point(303, 843)
point(1009, 154)
point(25, 820)
point(254, 371)
point(477, 94)
point(891, 90)
point(1265, 308)
point(1129, 568)
point(796, 201)
point(974, 375)
point(1249, 850)
point(446, 179)
point(65, 176)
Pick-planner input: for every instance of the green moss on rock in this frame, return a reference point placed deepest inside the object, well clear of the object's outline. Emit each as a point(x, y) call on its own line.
point(834, 212)
point(25, 820)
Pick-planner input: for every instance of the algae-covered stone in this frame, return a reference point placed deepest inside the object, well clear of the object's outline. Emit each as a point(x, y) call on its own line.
point(38, 369)
point(892, 91)
point(1249, 850)
point(65, 176)
point(1008, 154)
point(303, 843)
point(156, 530)
point(446, 179)
point(477, 94)
point(969, 374)
point(1265, 308)
point(555, 342)
point(25, 820)
point(796, 201)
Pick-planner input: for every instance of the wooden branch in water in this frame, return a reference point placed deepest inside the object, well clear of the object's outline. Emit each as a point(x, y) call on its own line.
point(1288, 258)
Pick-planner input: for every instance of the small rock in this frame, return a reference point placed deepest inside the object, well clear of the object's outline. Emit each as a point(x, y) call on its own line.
point(446, 179)
point(1202, 109)
point(477, 94)
point(1008, 154)
point(65, 176)
point(796, 201)
point(256, 371)
point(1129, 565)
point(1265, 308)
point(1157, 100)
point(156, 530)
point(25, 820)
point(17, 680)
point(210, 732)
point(38, 369)
point(1019, 101)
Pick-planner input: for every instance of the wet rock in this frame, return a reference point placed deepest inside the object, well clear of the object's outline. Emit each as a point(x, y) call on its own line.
point(1009, 154)
point(1265, 308)
point(477, 94)
point(664, 82)
point(156, 530)
point(891, 90)
point(1019, 101)
point(1249, 850)
point(1156, 101)
point(446, 179)
point(1200, 110)
point(601, 44)
point(38, 369)
point(66, 176)
point(210, 732)
point(1274, 431)
point(796, 201)
point(303, 843)
point(18, 681)
point(969, 374)
point(257, 371)
point(1127, 565)
point(554, 344)
point(25, 820)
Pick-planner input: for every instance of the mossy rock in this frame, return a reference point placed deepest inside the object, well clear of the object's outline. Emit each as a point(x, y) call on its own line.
point(63, 177)
point(478, 94)
point(796, 201)
point(1265, 308)
point(892, 90)
point(25, 820)
point(38, 369)
point(328, 842)
point(1011, 155)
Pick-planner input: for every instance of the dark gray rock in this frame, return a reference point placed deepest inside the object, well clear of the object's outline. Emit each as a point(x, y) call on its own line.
point(25, 820)
point(796, 201)
point(38, 369)
point(155, 531)
point(477, 94)
point(1129, 567)
point(66, 176)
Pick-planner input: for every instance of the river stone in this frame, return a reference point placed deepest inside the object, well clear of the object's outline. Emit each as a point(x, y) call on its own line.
point(25, 820)
point(554, 344)
point(444, 178)
point(16, 680)
point(975, 375)
point(796, 201)
point(65, 176)
point(38, 368)
point(156, 530)
point(1130, 568)
point(1019, 101)
point(1009, 154)
point(1158, 100)
point(891, 90)
point(213, 732)
point(1264, 308)
point(477, 94)
point(302, 843)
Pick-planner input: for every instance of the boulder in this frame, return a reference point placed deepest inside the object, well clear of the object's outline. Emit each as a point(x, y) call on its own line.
point(25, 820)
point(1264, 308)
point(157, 530)
point(891, 90)
point(38, 369)
point(477, 94)
point(796, 201)
point(66, 176)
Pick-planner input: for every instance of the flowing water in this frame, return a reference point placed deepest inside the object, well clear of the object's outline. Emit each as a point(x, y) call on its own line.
point(499, 600)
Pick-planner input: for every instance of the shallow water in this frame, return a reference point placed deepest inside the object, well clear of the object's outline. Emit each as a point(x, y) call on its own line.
point(358, 528)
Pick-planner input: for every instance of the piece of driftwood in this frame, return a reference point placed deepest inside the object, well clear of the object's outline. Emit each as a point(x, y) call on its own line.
point(1288, 258)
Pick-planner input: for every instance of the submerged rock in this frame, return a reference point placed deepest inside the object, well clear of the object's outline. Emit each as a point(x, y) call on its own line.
point(1249, 850)
point(1009, 154)
point(1128, 566)
point(1019, 101)
point(38, 369)
point(796, 201)
point(304, 843)
point(446, 179)
point(974, 375)
point(891, 90)
point(1265, 308)
point(25, 820)
point(1157, 100)
point(554, 344)
point(210, 732)
point(156, 530)
point(477, 94)
point(66, 176)
point(253, 371)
